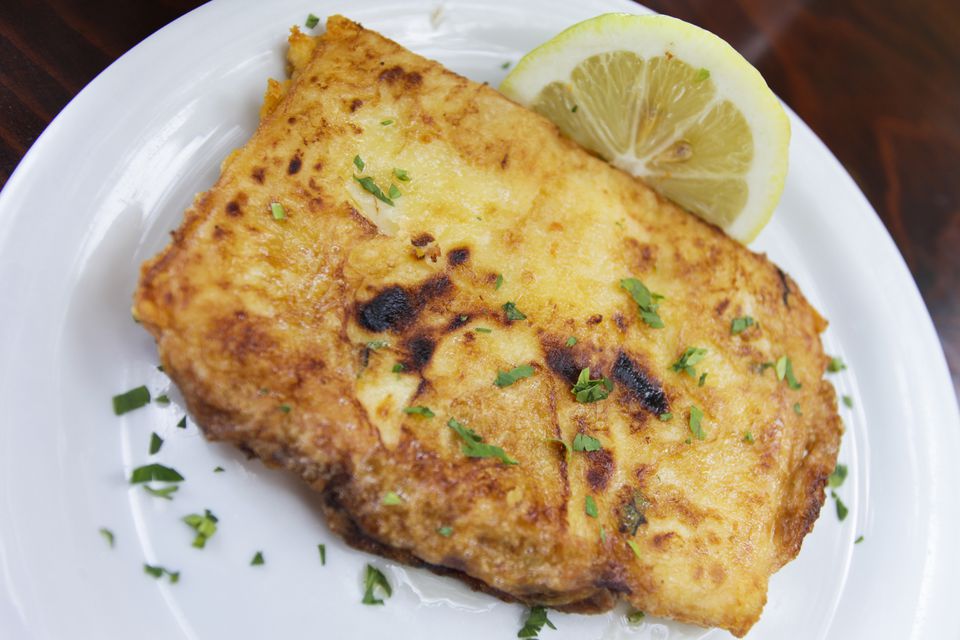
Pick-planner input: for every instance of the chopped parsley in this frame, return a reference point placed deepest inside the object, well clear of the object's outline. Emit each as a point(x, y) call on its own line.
point(373, 580)
point(162, 492)
point(647, 302)
point(183, 423)
point(784, 369)
point(401, 175)
point(665, 417)
point(589, 390)
point(696, 415)
point(257, 559)
point(507, 378)
point(151, 472)
point(739, 325)
point(838, 476)
point(498, 283)
point(512, 312)
point(796, 409)
point(635, 548)
point(842, 510)
point(420, 411)
point(205, 525)
point(835, 365)
point(446, 532)
point(505, 65)
point(392, 499)
point(386, 123)
point(158, 572)
point(690, 357)
point(312, 21)
point(574, 108)
point(279, 213)
point(163, 400)
point(474, 446)
point(369, 185)
point(536, 619)
point(155, 443)
point(359, 163)
point(590, 506)
point(848, 402)
point(583, 442)
point(393, 192)
point(483, 330)
point(858, 540)
point(107, 535)
point(571, 341)
point(702, 75)
point(398, 368)
point(373, 345)
point(285, 408)
point(703, 379)
point(322, 548)
point(635, 617)
point(133, 399)
point(748, 437)
point(218, 469)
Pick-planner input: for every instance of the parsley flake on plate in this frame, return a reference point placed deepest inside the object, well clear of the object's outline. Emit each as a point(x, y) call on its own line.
point(474, 447)
point(838, 476)
point(257, 559)
point(842, 510)
point(647, 302)
point(835, 365)
point(590, 390)
point(130, 400)
point(205, 525)
point(507, 378)
point(154, 472)
point(107, 535)
point(322, 548)
point(635, 617)
point(372, 581)
point(536, 619)
point(183, 423)
point(312, 21)
point(848, 402)
point(159, 572)
point(162, 492)
point(155, 443)
point(162, 400)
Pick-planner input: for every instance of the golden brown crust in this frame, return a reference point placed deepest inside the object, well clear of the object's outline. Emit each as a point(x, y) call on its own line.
point(265, 326)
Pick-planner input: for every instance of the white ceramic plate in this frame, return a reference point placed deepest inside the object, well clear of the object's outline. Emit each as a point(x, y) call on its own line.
point(110, 177)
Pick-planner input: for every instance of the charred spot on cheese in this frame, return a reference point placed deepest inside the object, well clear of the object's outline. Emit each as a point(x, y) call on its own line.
point(421, 240)
point(599, 469)
point(632, 512)
point(645, 389)
point(785, 285)
point(421, 350)
point(233, 209)
point(595, 319)
point(458, 256)
point(388, 310)
point(434, 288)
point(258, 174)
point(459, 320)
point(294, 166)
point(562, 361)
point(355, 104)
point(396, 74)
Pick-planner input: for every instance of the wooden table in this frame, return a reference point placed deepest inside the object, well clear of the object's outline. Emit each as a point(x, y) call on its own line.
point(878, 80)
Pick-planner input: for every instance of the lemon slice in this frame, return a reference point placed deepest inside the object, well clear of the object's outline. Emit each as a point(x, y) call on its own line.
point(669, 103)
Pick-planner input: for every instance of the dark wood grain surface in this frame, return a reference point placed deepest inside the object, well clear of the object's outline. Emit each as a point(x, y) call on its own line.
point(878, 80)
